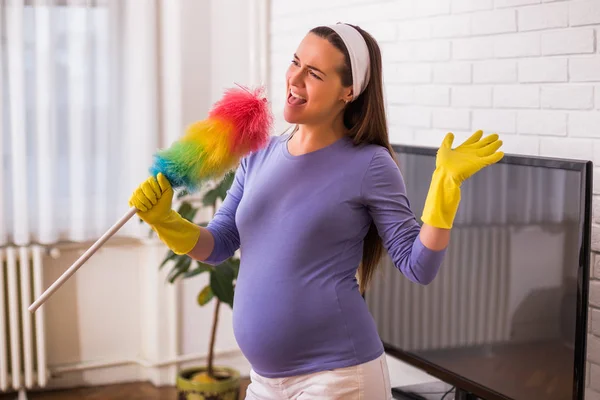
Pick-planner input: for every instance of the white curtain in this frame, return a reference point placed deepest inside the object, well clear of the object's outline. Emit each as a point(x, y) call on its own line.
point(78, 115)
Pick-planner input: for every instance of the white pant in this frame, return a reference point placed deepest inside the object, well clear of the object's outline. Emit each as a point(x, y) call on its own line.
point(367, 381)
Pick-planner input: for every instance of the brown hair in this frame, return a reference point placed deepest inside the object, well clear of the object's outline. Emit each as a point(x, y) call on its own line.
point(365, 118)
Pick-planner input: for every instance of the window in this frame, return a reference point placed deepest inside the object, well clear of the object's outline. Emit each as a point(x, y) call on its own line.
point(65, 156)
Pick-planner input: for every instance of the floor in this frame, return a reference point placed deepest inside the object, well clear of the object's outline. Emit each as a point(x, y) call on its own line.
point(126, 391)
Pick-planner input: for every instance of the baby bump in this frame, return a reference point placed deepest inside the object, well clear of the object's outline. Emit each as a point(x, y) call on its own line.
point(282, 327)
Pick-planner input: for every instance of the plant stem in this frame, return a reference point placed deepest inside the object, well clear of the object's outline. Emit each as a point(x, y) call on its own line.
point(211, 347)
point(213, 335)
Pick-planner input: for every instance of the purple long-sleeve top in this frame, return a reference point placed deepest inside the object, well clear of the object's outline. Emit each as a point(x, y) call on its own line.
point(300, 223)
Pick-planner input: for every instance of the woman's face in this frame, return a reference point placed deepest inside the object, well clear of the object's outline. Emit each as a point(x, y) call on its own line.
point(314, 91)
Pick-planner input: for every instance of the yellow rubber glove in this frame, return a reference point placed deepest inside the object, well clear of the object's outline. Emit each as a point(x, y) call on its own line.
point(453, 167)
point(153, 199)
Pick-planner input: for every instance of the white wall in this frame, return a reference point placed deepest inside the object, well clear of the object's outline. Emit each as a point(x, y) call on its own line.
point(527, 69)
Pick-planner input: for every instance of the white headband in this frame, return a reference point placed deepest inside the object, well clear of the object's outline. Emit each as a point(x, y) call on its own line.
point(359, 56)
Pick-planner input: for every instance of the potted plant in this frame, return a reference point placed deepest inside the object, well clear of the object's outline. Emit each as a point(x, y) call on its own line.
point(208, 382)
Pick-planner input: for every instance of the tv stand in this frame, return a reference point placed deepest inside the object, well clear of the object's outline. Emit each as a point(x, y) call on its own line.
point(431, 391)
point(461, 394)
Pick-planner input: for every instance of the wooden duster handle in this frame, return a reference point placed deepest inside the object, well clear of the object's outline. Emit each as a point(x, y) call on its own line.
point(81, 260)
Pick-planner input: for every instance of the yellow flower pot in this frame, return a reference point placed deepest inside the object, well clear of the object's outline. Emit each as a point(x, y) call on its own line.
point(226, 387)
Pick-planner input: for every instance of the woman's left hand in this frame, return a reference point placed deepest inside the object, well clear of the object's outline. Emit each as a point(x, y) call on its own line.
point(471, 156)
point(453, 167)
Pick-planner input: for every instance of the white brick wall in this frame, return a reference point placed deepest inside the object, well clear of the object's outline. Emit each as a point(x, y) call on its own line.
point(528, 69)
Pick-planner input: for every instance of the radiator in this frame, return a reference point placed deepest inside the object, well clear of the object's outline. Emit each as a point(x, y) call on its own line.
point(466, 305)
point(22, 334)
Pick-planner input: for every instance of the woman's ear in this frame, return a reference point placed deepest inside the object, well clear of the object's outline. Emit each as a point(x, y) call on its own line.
point(347, 95)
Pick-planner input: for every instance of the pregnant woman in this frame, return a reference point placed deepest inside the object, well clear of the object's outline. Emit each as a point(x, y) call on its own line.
point(312, 213)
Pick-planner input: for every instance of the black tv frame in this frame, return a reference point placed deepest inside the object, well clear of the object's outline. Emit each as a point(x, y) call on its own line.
point(468, 389)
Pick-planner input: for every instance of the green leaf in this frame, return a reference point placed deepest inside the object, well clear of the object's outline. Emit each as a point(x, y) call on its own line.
point(170, 256)
point(187, 211)
point(205, 295)
point(184, 207)
point(182, 193)
point(210, 197)
point(181, 267)
point(190, 215)
point(225, 184)
point(220, 191)
point(197, 271)
point(235, 265)
point(221, 282)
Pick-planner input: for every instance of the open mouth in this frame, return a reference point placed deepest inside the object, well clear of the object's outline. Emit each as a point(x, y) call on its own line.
point(295, 99)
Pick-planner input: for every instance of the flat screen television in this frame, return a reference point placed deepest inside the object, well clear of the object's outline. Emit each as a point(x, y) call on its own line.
point(506, 316)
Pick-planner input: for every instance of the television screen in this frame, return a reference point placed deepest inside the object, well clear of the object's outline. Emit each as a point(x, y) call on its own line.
point(506, 316)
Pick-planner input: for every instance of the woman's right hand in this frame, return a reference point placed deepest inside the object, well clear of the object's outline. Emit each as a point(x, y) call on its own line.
point(153, 199)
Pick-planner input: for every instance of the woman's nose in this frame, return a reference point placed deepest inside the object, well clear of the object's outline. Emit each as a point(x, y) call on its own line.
point(296, 77)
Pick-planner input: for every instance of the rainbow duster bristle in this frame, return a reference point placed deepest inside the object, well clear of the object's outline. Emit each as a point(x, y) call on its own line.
point(237, 125)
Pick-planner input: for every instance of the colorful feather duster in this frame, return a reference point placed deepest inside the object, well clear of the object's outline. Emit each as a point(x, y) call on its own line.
point(237, 125)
